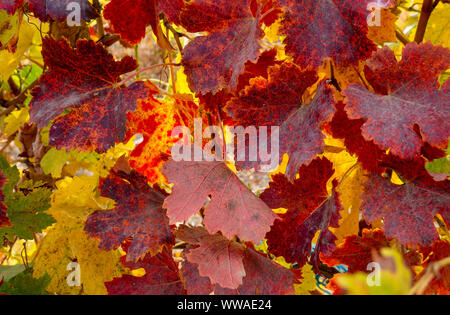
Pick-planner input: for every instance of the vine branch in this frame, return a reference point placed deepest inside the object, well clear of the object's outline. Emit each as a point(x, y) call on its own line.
point(427, 8)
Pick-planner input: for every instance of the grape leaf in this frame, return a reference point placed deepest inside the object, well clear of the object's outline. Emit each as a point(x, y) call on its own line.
point(155, 120)
point(46, 10)
point(306, 193)
point(214, 251)
point(291, 237)
point(372, 158)
point(4, 221)
point(394, 277)
point(275, 102)
point(11, 60)
point(246, 216)
point(161, 277)
point(335, 29)
point(67, 242)
point(357, 251)
point(25, 204)
point(138, 215)
point(64, 245)
point(25, 284)
point(9, 29)
point(214, 62)
point(193, 282)
point(263, 277)
point(440, 285)
point(242, 269)
point(10, 5)
point(84, 80)
point(270, 100)
point(301, 136)
point(140, 13)
point(401, 87)
point(408, 210)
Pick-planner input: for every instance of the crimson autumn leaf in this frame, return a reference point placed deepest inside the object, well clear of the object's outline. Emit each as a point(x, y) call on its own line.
point(263, 277)
point(138, 214)
point(230, 267)
point(357, 251)
point(291, 236)
point(270, 100)
point(305, 194)
point(277, 101)
point(139, 14)
point(440, 284)
point(407, 95)
point(4, 221)
point(85, 81)
point(371, 157)
point(215, 103)
point(219, 259)
point(155, 121)
point(193, 282)
point(408, 210)
point(234, 209)
point(214, 62)
point(57, 10)
point(161, 276)
point(321, 29)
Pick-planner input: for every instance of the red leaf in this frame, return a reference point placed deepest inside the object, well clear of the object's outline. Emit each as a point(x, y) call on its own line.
point(291, 237)
point(306, 193)
point(410, 84)
point(320, 29)
point(243, 271)
point(193, 282)
point(161, 277)
point(215, 61)
point(4, 221)
point(139, 14)
point(46, 10)
point(270, 101)
point(441, 283)
point(220, 260)
point(301, 136)
point(275, 102)
point(408, 210)
point(371, 157)
point(138, 214)
point(263, 277)
point(356, 251)
point(84, 81)
point(234, 209)
point(10, 5)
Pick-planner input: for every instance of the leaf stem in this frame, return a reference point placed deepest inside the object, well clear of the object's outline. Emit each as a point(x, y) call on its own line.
point(427, 8)
point(135, 73)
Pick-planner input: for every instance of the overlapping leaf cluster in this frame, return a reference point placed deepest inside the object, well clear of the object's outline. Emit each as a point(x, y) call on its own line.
point(87, 178)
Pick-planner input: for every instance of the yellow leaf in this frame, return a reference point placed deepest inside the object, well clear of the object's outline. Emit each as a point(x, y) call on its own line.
point(66, 242)
point(391, 282)
point(76, 198)
point(438, 29)
point(14, 121)
point(385, 32)
point(308, 283)
point(9, 29)
point(61, 247)
point(10, 61)
point(351, 177)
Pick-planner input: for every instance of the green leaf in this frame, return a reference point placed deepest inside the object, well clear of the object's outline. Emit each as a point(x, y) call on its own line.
point(25, 284)
point(25, 206)
point(9, 272)
point(440, 166)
